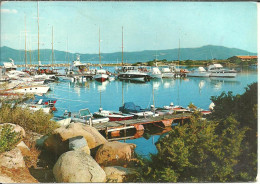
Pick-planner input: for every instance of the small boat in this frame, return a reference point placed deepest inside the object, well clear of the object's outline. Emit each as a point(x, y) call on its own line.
point(27, 88)
point(166, 73)
point(199, 72)
point(84, 116)
point(176, 108)
point(9, 66)
point(131, 108)
point(62, 121)
point(43, 100)
point(113, 116)
point(217, 70)
point(36, 107)
point(101, 75)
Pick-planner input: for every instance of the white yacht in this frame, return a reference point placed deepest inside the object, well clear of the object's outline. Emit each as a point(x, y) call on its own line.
point(167, 73)
point(155, 73)
point(217, 70)
point(132, 73)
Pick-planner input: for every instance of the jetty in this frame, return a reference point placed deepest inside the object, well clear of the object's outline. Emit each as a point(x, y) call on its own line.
point(114, 127)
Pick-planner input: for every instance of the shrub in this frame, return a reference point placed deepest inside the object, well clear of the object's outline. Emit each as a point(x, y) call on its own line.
point(8, 138)
point(38, 121)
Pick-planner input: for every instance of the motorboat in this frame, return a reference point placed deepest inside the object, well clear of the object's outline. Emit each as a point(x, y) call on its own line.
point(133, 74)
point(79, 68)
point(217, 70)
point(9, 66)
point(44, 100)
point(137, 111)
point(84, 116)
point(199, 72)
point(26, 89)
point(62, 121)
point(113, 116)
point(36, 107)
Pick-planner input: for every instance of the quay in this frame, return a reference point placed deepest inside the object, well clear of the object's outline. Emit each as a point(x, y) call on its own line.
point(114, 127)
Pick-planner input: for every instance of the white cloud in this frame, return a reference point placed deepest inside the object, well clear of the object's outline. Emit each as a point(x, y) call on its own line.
point(9, 11)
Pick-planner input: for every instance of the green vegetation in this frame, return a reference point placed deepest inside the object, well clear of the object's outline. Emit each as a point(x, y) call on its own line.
point(8, 138)
point(38, 121)
point(220, 149)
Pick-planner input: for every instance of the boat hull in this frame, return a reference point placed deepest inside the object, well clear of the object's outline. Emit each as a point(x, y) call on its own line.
point(101, 77)
point(223, 74)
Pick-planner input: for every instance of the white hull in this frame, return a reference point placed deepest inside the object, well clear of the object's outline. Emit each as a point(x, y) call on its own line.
point(156, 76)
point(30, 89)
point(219, 74)
point(143, 114)
point(198, 74)
point(167, 75)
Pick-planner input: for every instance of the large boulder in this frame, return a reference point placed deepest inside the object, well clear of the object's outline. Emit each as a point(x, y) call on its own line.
point(58, 142)
point(118, 174)
point(78, 166)
point(115, 154)
point(12, 159)
point(79, 142)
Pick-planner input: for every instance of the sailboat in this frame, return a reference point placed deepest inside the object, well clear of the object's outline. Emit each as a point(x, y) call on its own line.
point(131, 72)
point(101, 74)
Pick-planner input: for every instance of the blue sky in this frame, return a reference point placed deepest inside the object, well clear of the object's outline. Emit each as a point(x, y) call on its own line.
point(147, 25)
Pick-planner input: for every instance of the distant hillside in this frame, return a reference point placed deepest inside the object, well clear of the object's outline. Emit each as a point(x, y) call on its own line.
point(201, 53)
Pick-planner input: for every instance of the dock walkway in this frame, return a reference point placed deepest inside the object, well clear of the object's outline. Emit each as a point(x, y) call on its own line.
point(167, 120)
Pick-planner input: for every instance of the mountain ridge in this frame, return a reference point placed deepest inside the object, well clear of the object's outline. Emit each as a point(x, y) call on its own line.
point(200, 53)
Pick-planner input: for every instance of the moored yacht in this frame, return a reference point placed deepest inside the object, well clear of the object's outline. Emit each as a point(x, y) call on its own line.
point(217, 70)
point(167, 73)
point(101, 75)
point(132, 73)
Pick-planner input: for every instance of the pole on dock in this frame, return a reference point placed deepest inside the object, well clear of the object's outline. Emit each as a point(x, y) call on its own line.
point(122, 45)
point(38, 33)
point(25, 53)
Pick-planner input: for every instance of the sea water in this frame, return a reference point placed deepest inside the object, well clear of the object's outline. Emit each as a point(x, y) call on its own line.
point(110, 95)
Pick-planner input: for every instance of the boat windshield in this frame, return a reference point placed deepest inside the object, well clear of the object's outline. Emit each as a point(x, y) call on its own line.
point(84, 113)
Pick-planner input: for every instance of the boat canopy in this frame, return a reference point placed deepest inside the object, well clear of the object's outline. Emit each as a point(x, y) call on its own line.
point(130, 107)
point(201, 69)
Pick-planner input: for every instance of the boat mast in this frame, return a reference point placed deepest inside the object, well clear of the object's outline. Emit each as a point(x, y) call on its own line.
point(99, 50)
point(122, 45)
point(179, 54)
point(52, 47)
point(68, 50)
point(25, 53)
point(122, 92)
point(38, 33)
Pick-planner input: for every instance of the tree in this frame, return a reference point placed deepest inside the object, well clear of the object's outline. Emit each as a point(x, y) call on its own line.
point(220, 149)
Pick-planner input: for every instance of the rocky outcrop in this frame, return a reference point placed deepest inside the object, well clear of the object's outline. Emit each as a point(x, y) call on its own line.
point(115, 154)
point(118, 174)
point(58, 142)
point(79, 142)
point(78, 166)
point(12, 159)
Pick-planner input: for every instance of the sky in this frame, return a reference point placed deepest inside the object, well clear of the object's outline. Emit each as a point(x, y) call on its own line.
point(147, 25)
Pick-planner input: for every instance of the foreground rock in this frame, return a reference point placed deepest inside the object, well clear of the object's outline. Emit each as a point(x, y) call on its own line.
point(78, 166)
point(16, 128)
point(12, 159)
point(58, 142)
point(19, 175)
point(118, 174)
point(13, 169)
point(115, 154)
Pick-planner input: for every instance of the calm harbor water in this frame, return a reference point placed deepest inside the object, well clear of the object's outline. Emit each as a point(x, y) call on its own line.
point(110, 95)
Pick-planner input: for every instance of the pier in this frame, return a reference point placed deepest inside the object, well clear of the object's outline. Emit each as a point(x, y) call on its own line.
point(114, 127)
